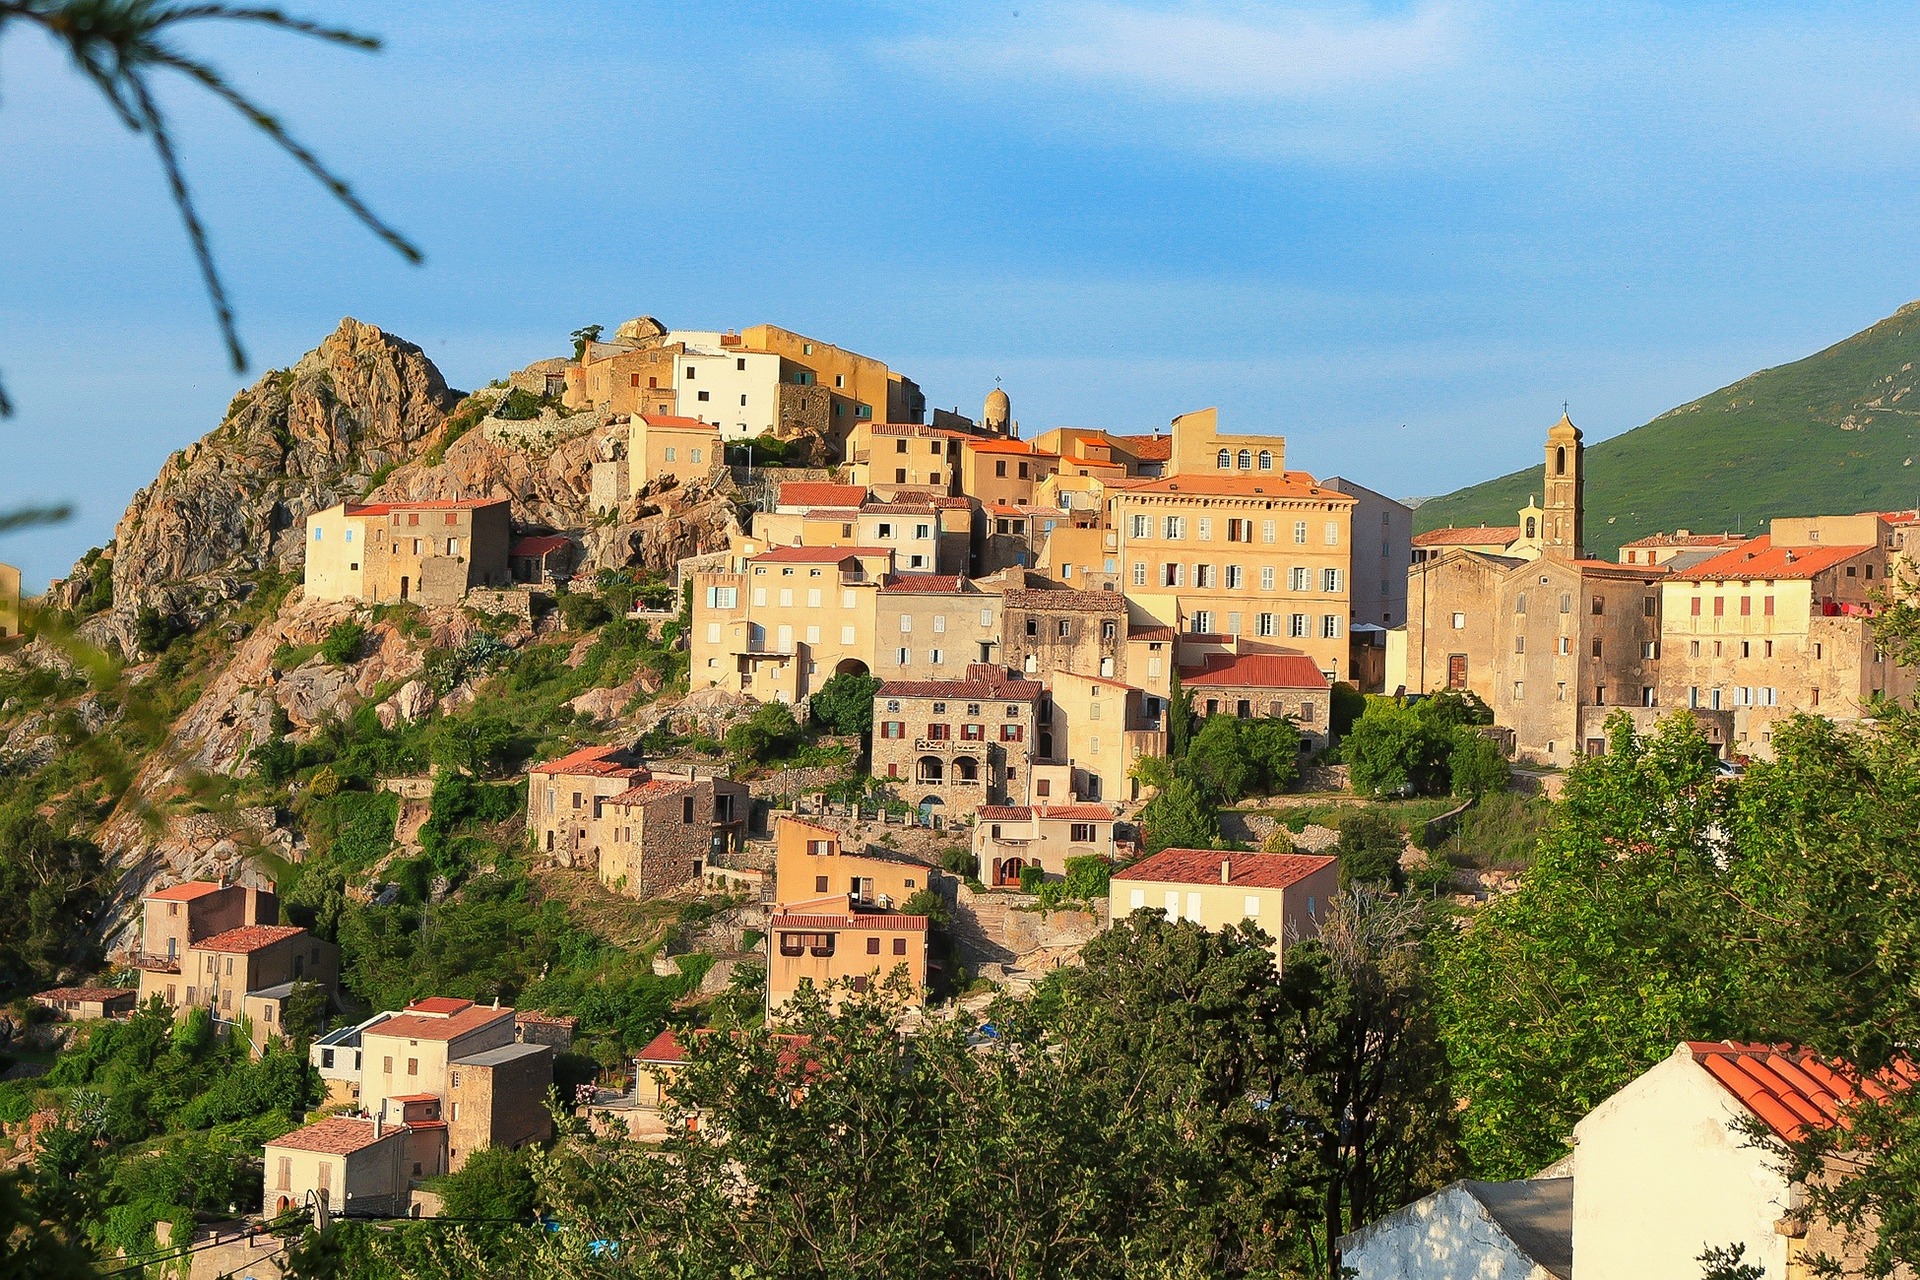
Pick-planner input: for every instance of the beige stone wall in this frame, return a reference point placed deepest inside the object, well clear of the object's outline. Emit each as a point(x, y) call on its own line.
point(9, 601)
point(373, 1179)
point(1309, 709)
point(436, 554)
point(1039, 841)
point(1197, 442)
point(656, 845)
point(497, 1106)
point(1099, 729)
point(564, 814)
point(933, 636)
point(994, 475)
point(860, 387)
point(1078, 631)
point(1286, 915)
point(785, 633)
point(695, 451)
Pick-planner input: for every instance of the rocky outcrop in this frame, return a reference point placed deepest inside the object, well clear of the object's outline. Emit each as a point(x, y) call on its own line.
point(296, 441)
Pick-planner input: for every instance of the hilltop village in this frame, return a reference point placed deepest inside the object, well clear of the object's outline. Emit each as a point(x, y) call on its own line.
point(800, 697)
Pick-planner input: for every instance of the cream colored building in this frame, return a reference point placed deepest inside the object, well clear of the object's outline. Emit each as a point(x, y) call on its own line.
point(863, 390)
point(1781, 625)
point(1005, 471)
point(1099, 728)
point(1679, 549)
point(778, 624)
point(932, 626)
point(358, 1166)
point(409, 1053)
point(661, 446)
point(821, 944)
point(433, 551)
point(9, 602)
point(1007, 839)
point(735, 389)
point(1382, 550)
point(1286, 894)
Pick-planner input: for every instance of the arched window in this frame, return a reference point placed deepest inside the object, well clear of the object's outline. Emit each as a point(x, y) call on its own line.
point(1530, 527)
point(1246, 460)
point(1223, 460)
point(1560, 461)
point(1266, 459)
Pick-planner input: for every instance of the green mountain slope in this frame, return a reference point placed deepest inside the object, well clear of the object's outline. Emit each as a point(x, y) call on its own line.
point(1836, 432)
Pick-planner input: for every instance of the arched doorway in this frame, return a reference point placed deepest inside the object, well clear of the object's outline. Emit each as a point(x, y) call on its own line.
point(850, 667)
point(1006, 872)
point(929, 810)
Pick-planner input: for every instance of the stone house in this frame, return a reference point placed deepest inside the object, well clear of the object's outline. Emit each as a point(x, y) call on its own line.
point(86, 1004)
point(950, 746)
point(667, 446)
point(644, 831)
point(624, 379)
point(906, 459)
point(1782, 625)
point(1003, 471)
point(431, 551)
point(565, 798)
point(1007, 839)
point(927, 533)
point(1047, 627)
point(497, 1098)
point(1286, 894)
point(1252, 685)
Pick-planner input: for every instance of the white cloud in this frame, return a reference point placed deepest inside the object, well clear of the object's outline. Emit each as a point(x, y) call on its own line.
point(1207, 52)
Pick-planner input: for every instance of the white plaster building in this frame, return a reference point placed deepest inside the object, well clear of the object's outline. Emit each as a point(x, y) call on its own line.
point(1471, 1231)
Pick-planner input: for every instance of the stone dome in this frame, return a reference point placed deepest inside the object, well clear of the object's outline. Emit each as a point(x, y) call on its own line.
point(999, 411)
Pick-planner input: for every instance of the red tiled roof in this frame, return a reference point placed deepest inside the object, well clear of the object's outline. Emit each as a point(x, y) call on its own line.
point(1760, 558)
point(442, 1005)
point(676, 422)
point(592, 762)
point(942, 584)
point(1255, 671)
point(1106, 680)
point(988, 682)
point(815, 555)
point(1487, 535)
point(1147, 448)
point(89, 995)
point(424, 504)
point(1066, 598)
point(862, 920)
point(408, 1026)
point(1687, 540)
point(335, 1136)
point(541, 545)
point(413, 1097)
point(789, 821)
point(665, 1047)
point(1152, 633)
point(658, 789)
point(247, 938)
point(187, 892)
point(802, 493)
point(842, 514)
point(1204, 485)
point(1202, 866)
point(1790, 1090)
point(1064, 812)
point(995, 445)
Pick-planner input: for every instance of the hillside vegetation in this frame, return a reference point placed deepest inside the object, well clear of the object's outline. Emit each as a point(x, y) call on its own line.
point(1836, 432)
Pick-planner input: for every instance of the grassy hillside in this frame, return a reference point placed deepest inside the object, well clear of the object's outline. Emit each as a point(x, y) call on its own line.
point(1838, 431)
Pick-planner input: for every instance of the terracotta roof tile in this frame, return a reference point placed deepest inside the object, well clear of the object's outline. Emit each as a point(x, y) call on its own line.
point(658, 789)
point(1054, 813)
point(1202, 866)
point(1204, 485)
point(187, 892)
point(1760, 558)
point(248, 938)
point(336, 1135)
point(941, 584)
point(1487, 535)
point(541, 545)
point(815, 555)
point(1687, 540)
point(407, 1026)
point(593, 762)
point(676, 422)
point(665, 1047)
point(87, 994)
point(425, 504)
point(1790, 1090)
point(443, 1005)
point(890, 920)
point(805, 493)
point(981, 682)
point(1255, 671)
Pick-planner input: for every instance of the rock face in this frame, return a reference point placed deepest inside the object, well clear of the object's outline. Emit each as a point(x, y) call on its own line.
point(293, 443)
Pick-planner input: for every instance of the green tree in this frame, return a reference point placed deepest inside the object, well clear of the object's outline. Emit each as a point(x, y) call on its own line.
point(1392, 750)
point(1475, 765)
point(1272, 744)
point(1179, 817)
point(582, 336)
point(343, 642)
point(844, 704)
point(1371, 843)
point(771, 733)
point(1179, 715)
point(1217, 761)
point(50, 890)
point(1616, 946)
point(1347, 705)
point(495, 1182)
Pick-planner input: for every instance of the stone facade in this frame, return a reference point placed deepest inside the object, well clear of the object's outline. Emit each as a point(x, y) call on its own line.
point(497, 1098)
point(949, 746)
point(433, 552)
point(1046, 627)
point(9, 602)
point(933, 626)
point(644, 830)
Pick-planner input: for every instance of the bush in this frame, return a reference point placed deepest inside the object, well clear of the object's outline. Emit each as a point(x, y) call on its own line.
point(1476, 766)
point(583, 612)
point(153, 631)
point(1179, 817)
point(960, 861)
point(495, 1182)
point(1088, 877)
point(1031, 878)
point(1348, 705)
point(1370, 848)
point(521, 405)
point(844, 704)
point(343, 643)
point(1392, 750)
point(770, 735)
point(925, 902)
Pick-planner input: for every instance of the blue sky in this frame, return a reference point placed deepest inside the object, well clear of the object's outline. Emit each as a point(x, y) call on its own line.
point(1401, 234)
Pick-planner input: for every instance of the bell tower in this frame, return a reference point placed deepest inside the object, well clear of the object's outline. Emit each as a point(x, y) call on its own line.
point(1563, 531)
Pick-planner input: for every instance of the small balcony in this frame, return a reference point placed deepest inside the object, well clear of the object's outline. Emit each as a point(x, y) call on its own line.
point(155, 963)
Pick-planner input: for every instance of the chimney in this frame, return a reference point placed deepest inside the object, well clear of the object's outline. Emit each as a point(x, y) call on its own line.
point(1226, 871)
point(380, 1123)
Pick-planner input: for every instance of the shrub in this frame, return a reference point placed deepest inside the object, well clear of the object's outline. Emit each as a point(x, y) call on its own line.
point(959, 860)
point(1394, 751)
point(925, 902)
point(343, 643)
point(1088, 877)
point(1476, 767)
point(770, 735)
point(844, 704)
point(1031, 878)
point(1370, 848)
point(583, 612)
point(1348, 705)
